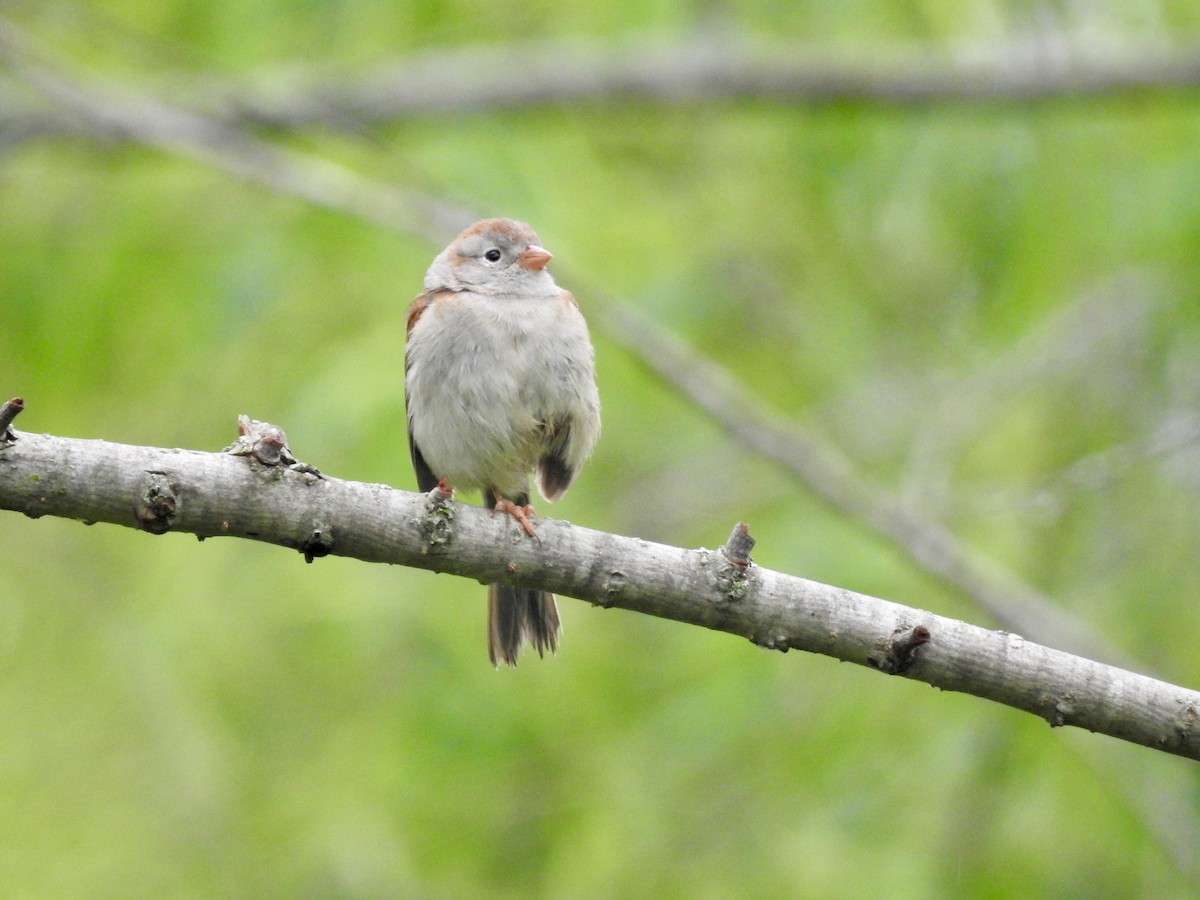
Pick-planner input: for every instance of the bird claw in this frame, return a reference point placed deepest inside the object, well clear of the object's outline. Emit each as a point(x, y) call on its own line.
point(521, 513)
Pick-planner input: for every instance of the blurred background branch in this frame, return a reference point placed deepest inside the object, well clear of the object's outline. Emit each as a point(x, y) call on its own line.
point(829, 473)
point(700, 69)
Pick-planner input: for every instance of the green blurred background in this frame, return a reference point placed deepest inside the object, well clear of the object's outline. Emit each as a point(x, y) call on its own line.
point(992, 308)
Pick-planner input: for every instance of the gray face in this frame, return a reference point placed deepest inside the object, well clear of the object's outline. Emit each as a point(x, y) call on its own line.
point(487, 258)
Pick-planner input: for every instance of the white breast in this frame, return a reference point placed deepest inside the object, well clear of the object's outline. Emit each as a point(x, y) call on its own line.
point(484, 376)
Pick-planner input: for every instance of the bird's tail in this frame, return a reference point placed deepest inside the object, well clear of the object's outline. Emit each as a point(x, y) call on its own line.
point(516, 615)
point(519, 614)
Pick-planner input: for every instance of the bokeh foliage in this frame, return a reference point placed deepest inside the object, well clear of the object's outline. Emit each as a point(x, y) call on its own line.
point(993, 308)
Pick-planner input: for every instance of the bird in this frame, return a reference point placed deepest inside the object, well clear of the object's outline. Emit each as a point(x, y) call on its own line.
point(500, 383)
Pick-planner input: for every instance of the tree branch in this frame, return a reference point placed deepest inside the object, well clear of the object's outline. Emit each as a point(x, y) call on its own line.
point(697, 69)
point(292, 505)
point(703, 69)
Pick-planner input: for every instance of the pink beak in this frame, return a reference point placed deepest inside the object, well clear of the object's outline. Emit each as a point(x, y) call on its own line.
point(534, 257)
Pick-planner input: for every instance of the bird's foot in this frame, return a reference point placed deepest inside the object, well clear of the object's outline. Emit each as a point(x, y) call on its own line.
point(523, 515)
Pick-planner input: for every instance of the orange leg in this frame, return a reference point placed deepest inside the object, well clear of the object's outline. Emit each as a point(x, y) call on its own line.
point(441, 493)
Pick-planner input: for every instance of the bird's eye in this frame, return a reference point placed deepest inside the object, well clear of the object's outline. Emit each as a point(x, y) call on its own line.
point(492, 255)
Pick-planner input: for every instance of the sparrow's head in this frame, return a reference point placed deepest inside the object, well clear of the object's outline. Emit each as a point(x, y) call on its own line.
point(493, 256)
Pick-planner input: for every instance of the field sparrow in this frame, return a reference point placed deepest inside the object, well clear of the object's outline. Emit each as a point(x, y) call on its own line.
point(500, 381)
